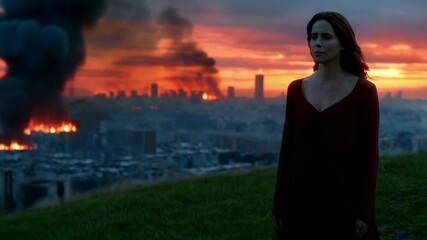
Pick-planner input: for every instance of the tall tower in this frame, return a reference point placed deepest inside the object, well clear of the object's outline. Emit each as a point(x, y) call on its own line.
point(121, 94)
point(7, 200)
point(154, 90)
point(230, 93)
point(134, 94)
point(259, 86)
point(112, 95)
point(149, 141)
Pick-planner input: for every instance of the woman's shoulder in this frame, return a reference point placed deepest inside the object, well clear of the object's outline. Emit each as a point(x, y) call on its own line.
point(294, 87)
point(295, 83)
point(367, 91)
point(367, 83)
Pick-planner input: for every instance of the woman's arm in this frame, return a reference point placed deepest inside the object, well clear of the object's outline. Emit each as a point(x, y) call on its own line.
point(285, 151)
point(369, 161)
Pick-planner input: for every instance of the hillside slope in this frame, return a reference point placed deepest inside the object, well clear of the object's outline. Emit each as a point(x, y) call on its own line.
point(223, 206)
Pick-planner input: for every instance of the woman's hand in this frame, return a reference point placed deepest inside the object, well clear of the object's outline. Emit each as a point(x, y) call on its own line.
point(361, 228)
point(278, 223)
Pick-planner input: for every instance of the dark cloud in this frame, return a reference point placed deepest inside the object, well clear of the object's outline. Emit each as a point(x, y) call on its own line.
point(127, 24)
point(198, 59)
point(131, 10)
point(42, 44)
point(96, 74)
point(282, 64)
point(174, 26)
point(186, 52)
point(116, 32)
point(122, 34)
point(291, 16)
point(138, 61)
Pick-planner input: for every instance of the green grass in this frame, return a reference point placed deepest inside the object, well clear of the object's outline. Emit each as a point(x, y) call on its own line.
point(223, 206)
point(402, 197)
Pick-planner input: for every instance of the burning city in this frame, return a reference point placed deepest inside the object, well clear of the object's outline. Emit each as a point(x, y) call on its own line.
point(159, 113)
point(137, 139)
point(55, 146)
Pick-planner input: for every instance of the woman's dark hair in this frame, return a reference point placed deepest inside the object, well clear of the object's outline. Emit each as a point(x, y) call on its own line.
point(351, 58)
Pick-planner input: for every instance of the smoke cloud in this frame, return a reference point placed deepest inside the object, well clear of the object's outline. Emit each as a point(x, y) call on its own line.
point(189, 66)
point(174, 26)
point(126, 24)
point(187, 53)
point(42, 43)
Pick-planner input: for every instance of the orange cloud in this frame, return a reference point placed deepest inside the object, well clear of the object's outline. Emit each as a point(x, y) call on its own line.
point(396, 64)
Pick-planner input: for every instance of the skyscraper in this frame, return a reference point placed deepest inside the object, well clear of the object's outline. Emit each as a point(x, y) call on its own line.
point(7, 191)
point(230, 93)
point(134, 94)
point(121, 94)
point(149, 142)
point(259, 86)
point(154, 90)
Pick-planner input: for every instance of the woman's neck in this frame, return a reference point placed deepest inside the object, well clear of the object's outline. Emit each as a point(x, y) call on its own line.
point(330, 72)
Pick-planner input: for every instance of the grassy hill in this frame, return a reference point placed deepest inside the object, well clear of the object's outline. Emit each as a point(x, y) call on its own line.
point(223, 206)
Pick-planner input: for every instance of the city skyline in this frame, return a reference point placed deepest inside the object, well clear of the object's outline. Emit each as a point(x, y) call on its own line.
point(131, 48)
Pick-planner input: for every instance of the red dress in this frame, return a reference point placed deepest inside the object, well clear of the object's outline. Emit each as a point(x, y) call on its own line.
point(327, 168)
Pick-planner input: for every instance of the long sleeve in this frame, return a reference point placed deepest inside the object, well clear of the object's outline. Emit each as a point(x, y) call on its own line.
point(285, 152)
point(369, 166)
point(328, 165)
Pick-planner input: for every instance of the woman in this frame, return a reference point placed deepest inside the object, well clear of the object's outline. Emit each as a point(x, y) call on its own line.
point(328, 161)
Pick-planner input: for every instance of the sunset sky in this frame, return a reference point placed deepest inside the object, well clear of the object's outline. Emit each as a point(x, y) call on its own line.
point(131, 48)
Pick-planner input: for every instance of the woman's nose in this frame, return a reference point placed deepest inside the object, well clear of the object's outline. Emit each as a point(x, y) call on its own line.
point(318, 42)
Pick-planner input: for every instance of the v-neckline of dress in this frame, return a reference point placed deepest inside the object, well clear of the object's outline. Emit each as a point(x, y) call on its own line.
point(332, 105)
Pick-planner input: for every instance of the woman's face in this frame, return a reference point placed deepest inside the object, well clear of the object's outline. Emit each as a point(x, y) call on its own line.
point(324, 45)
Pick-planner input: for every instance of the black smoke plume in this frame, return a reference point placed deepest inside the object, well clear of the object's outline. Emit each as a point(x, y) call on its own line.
point(187, 53)
point(126, 24)
point(174, 25)
point(42, 43)
point(130, 25)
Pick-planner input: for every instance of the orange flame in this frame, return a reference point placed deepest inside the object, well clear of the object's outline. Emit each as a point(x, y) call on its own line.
point(64, 127)
point(208, 97)
point(14, 146)
point(260, 71)
point(3, 65)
